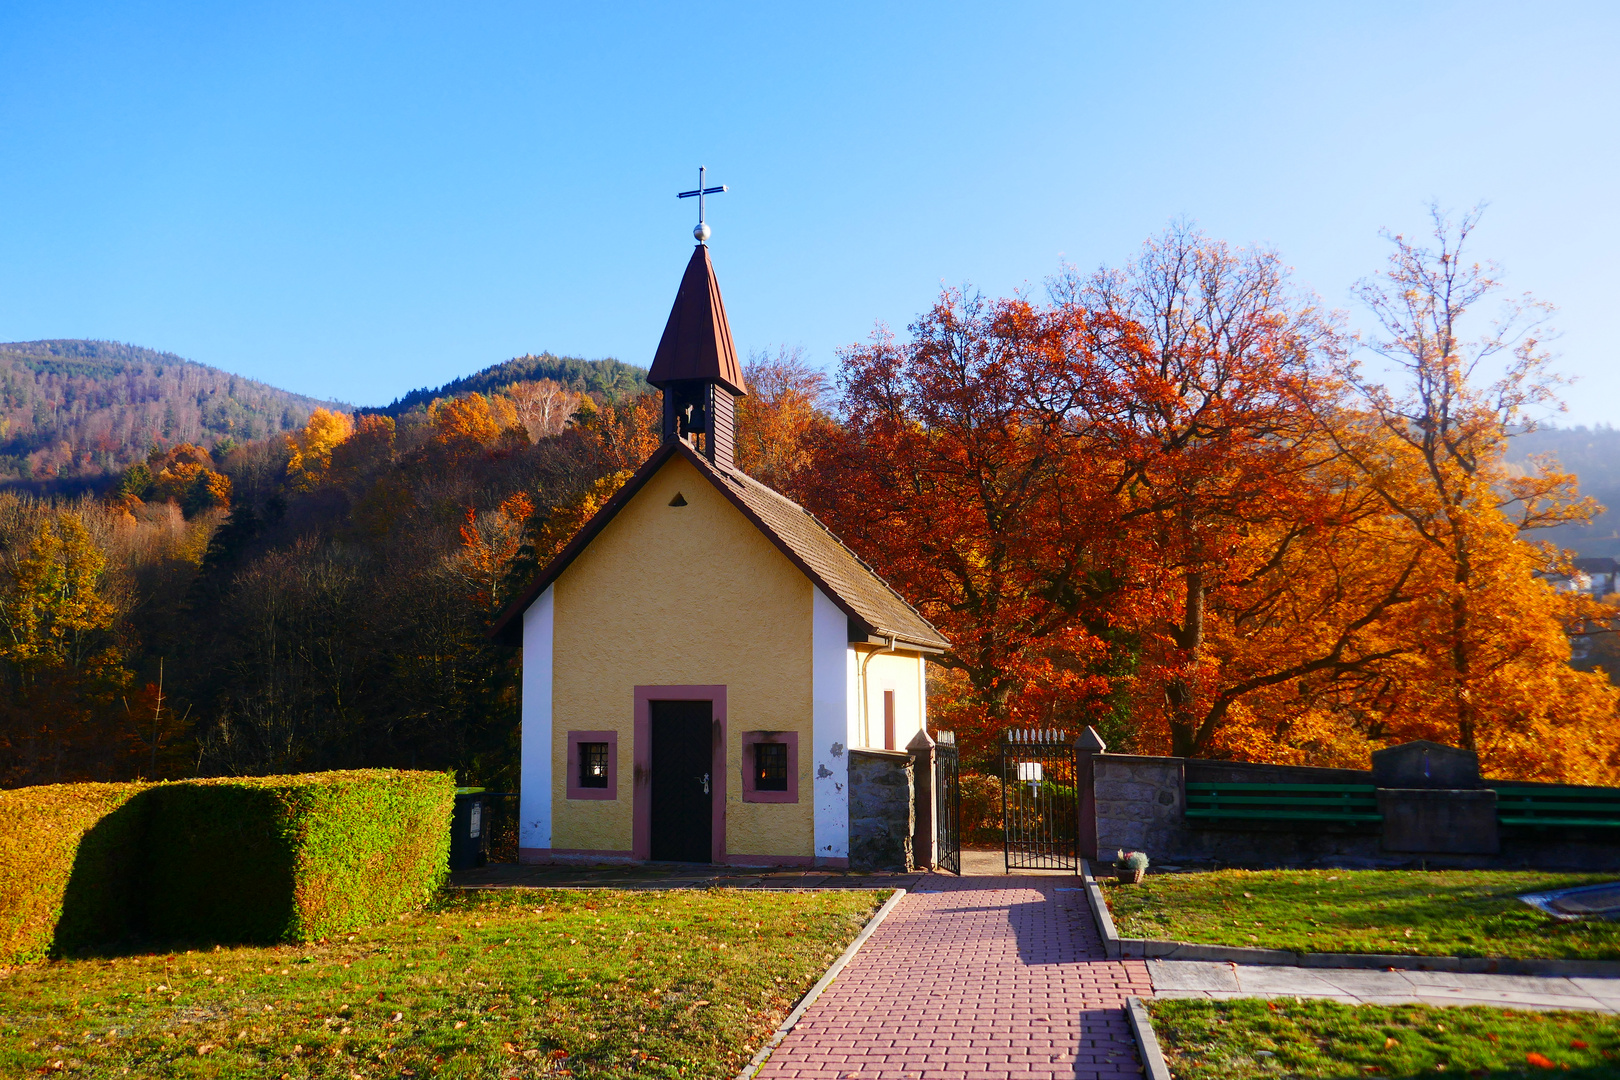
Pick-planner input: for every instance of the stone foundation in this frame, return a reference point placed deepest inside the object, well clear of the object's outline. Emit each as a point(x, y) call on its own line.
point(882, 795)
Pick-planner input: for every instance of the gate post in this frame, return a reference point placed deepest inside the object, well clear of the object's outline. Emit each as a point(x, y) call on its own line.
point(1086, 747)
point(926, 812)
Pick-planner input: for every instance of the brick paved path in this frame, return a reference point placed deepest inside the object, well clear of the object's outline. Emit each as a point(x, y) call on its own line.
point(983, 979)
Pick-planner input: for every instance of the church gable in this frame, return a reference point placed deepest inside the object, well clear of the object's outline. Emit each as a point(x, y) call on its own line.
point(679, 551)
point(874, 609)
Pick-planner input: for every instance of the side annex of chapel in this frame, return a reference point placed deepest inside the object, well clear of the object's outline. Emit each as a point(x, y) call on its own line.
point(702, 656)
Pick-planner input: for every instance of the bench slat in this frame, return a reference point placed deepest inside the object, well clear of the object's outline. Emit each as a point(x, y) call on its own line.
point(1367, 788)
point(1298, 800)
point(1311, 815)
point(1595, 823)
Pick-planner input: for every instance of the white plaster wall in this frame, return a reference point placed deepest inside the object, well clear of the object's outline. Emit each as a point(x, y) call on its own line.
point(831, 698)
point(534, 803)
point(922, 696)
point(903, 673)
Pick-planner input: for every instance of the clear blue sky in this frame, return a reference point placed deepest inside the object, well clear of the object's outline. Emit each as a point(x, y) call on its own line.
point(352, 200)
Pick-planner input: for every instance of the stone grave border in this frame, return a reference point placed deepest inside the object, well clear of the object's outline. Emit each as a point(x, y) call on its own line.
point(1118, 948)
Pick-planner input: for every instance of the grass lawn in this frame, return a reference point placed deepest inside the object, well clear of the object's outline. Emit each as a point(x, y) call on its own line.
point(496, 984)
point(1236, 1040)
point(1414, 912)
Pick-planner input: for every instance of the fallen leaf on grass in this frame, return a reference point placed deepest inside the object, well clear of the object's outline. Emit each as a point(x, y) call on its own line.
point(204, 1048)
point(1577, 1044)
point(1540, 1061)
point(1389, 1041)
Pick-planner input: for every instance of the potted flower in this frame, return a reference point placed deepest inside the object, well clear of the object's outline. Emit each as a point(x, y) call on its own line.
point(1130, 867)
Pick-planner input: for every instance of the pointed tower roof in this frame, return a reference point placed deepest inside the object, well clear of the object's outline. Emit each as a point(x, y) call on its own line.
point(697, 339)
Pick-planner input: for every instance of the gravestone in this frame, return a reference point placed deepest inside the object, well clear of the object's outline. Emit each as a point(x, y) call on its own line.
point(1433, 800)
point(1439, 821)
point(1425, 764)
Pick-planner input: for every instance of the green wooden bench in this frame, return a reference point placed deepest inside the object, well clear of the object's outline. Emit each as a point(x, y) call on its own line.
point(1592, 808)
point(1348, 804)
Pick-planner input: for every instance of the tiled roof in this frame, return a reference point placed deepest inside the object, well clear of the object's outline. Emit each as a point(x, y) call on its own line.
point(837, 571)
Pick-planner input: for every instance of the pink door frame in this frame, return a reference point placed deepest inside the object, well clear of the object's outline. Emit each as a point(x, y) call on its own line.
point(641, 784)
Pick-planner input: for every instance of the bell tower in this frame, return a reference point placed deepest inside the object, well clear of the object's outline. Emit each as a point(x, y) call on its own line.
point(696, 363)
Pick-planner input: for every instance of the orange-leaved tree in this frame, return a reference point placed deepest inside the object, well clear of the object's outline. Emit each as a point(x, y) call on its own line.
point(310, 448)
point(785, 406)
point(1198, 386)
point(954, 479)
point(1489, 666)
point(489, 543)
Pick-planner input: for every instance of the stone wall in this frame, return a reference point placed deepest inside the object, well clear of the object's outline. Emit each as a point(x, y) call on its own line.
point(881, 810)
point(1137, 803)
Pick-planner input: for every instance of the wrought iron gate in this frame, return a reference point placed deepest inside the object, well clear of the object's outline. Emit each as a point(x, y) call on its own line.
point(1040, 808)
point(948, 804)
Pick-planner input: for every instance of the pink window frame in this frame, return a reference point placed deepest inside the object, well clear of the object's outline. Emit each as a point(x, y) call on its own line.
point(641, 788)
point(612, 789)
point(751, 739)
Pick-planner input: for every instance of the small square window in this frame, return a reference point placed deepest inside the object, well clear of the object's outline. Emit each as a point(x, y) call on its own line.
point(593, 764)
point(770, 766)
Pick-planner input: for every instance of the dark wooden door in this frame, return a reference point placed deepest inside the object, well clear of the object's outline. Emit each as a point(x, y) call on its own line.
point(682, 760)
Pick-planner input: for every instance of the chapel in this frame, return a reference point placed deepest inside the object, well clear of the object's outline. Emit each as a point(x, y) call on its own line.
point(702, 657)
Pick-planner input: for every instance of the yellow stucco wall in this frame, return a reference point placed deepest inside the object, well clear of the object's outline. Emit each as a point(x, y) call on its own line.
point(904, 674)
point(682, 595)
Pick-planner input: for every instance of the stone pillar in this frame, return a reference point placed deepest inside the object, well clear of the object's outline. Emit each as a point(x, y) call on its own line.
point(881, 810)
point(925, 809)
point(1086, 747)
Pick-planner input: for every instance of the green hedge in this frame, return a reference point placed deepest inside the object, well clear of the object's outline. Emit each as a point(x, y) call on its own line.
point(294, 858)
point(67, 866)
point(278, 858)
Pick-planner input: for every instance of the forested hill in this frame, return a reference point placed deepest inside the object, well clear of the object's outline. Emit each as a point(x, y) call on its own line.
point(80, 410)
point(608, 378)
point(1593, 454)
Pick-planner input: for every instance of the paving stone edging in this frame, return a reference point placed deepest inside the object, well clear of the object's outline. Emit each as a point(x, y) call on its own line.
point(1147, 1043)
point(825, 981)
point(1118, 948)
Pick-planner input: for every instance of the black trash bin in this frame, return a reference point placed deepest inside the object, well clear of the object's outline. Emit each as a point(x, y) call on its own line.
point(469, 829)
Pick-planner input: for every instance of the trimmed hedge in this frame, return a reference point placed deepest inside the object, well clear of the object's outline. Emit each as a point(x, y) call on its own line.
point(277, 858)
point(295, 858)
point(67, 866)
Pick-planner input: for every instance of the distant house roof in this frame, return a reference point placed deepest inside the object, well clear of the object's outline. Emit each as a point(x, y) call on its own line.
point(871, 605)
point(697, 338)
point(1597, 566)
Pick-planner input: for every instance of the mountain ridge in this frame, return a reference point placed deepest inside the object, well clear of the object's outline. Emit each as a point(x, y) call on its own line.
point(82, 408)
point(606, 377)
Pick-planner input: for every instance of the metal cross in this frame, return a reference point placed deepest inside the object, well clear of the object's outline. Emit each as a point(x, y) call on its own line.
point(702, 231)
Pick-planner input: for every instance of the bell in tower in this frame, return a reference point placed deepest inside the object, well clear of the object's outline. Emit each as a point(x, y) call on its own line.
point(696, 366)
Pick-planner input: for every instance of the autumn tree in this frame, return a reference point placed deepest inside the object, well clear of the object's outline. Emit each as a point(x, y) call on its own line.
point(621, 433)
point(62, 660)
point(543, 406)
point(1491, 671)
point(775, 422)
point(310, 448)
point(185, 475)
point(368, 448)
point(489, 542)
point(1194, 383)
point(967, 492)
